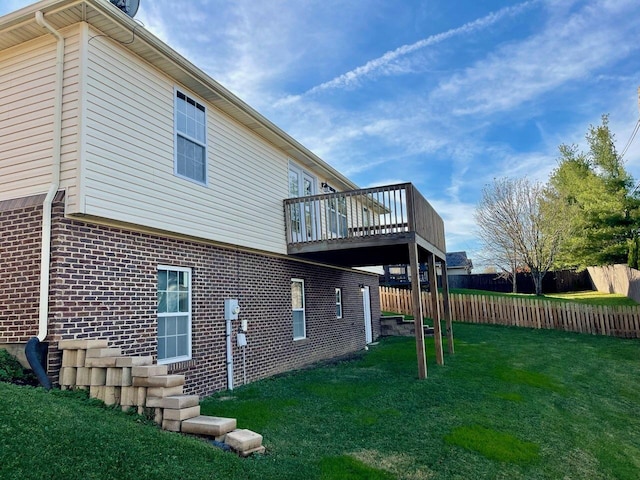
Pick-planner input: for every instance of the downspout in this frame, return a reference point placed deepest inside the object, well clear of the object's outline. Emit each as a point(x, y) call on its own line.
point(45, 254)
point(33, 345)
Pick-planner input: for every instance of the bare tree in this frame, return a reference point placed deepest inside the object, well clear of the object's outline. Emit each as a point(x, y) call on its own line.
point(518, 228)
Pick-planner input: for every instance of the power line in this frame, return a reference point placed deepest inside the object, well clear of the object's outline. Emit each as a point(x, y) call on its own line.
point(630, 141)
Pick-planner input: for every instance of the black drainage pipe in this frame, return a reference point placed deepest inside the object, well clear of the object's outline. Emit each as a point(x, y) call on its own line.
point(33, 352)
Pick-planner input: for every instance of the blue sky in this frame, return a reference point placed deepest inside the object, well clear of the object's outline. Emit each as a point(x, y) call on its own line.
point(445, 94)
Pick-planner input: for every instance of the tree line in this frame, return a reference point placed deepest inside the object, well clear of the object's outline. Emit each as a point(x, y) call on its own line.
point(586, 214)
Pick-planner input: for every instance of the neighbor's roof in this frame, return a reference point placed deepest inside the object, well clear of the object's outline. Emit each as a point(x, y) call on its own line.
point(458, 259)
point(20, 26)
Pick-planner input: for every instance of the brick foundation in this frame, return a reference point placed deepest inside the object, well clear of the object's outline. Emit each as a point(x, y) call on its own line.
point(103, 286)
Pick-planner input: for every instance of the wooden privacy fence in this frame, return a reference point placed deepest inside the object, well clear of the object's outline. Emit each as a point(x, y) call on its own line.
point(615, 321)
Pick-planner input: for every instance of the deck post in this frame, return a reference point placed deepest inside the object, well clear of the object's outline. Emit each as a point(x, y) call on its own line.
point(417, 310)
point(433, 290)
point(447, 307)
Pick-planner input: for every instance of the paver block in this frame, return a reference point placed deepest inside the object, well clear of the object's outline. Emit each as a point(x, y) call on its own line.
point(165, 391)
point(134, 361)
point(211, 426)
point(104, 352)
point(259, 450)
point(69, 358)
point(180, 401)
point(158, 416)
point(149, 370)
point(127, 379)
point(158, 380)
point(68, 376)
point(142, 397)
point(96, 391)
point(114, 377)
point(182, 414)
point(243, 440)
point(171, 425)
point(111, 395)
point(82, 344)
point(154, 402)
point(98, 376)
point(129, 396)
point(101, 362)
point(83, 376)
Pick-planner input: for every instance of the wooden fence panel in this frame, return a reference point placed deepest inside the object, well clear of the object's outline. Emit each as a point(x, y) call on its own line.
point(621, 322)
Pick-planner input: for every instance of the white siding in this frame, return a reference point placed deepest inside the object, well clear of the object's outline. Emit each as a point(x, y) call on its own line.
point(129, 160)
point(27, 83)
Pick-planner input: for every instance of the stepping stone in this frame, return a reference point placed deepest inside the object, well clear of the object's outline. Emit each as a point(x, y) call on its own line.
point(149, 370)
point(134, 361)
point(243, 440)
point(158, 380)
point(182, 414)
point(211, 426)
point(82, 344)
point(246, 453)
point(103, 352)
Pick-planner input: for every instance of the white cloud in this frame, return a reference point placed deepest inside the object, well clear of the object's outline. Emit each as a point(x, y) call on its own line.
point(569, 49)
point(385, 64)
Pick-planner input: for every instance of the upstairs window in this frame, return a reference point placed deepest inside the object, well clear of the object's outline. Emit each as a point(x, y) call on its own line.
point(190, 139)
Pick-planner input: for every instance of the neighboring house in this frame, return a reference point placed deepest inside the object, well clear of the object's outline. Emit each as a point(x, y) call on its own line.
point(398, 275)
point(139, 197)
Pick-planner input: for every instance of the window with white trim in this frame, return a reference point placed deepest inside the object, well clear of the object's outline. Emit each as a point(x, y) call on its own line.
point(190, 138)
point(174, 314)
point(297, 309)
point(338, 303)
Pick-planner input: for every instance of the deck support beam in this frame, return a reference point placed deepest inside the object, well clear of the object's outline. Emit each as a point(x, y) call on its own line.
point(447, 307)
point(417, 310)
point(433, 290)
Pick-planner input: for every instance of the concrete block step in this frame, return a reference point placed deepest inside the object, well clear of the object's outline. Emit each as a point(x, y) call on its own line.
point(101, 362)
point(82, 344)
point(181, 414)
point(158, 380)
point(149, 370)
point(103, 352)
point(165, 391)
point(243, 440)
point(175, 402)
point(211, 426)
point(171, 425)
point(83, 376)
point(134, 361)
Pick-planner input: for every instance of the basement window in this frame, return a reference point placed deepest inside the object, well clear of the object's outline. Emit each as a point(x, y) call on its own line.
point(297, 309)
point(338, 303)
point(174, 314)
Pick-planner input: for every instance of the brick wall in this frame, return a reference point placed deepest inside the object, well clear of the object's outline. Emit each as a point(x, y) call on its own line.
point(104, 282)
point(20, 238)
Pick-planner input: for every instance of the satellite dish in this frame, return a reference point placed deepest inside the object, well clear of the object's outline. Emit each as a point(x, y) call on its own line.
point(130, 7)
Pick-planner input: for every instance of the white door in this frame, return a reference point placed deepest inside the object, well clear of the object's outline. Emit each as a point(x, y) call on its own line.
point(366, 305)
point(303, 216)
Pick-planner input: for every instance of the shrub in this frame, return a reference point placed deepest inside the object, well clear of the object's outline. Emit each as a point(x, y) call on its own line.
point(11, 371)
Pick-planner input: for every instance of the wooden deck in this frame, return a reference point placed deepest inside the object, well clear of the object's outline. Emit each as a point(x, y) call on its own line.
point(364, 227)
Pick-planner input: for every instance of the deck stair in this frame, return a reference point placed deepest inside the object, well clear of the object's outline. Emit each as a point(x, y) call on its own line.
point(136, 382)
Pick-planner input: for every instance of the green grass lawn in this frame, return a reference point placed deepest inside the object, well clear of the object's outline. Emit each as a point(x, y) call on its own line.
point(589, 297)
point(511, 404)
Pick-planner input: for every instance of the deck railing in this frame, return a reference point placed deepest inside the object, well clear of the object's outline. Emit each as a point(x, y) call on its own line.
point(356, 214)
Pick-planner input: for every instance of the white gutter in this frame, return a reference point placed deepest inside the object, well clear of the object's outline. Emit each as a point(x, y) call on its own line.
point(45, 254)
